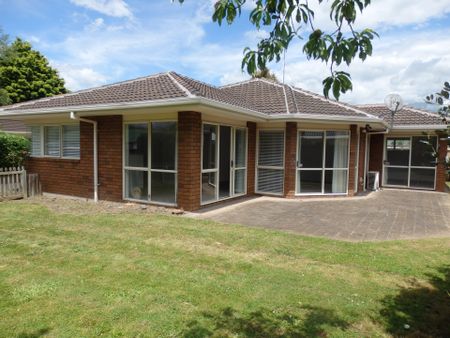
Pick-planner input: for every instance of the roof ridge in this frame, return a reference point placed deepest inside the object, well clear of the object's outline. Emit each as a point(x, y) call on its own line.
point(341, 104)
point(179, 85)
point(418, 110)
point(271, 82)
point(192, 79)
point(81, 91)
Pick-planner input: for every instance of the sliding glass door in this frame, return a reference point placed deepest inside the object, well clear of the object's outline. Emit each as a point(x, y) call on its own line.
point(409, 162)
point(150, 151)
point(322, 162)
point(224, 162)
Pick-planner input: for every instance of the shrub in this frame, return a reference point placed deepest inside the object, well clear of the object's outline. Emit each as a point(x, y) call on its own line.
point(13, 150)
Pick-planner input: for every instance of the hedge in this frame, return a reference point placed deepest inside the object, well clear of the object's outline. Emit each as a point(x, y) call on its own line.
point(13, 150)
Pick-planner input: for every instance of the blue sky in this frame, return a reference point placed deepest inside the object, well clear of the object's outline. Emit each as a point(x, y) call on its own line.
point(94, 42)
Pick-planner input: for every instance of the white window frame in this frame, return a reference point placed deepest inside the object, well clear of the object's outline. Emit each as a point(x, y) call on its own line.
point(269, 167)
point(323, 169)
point(61, 140)
point(409, 166)
point(148, 169)
point(216, 170)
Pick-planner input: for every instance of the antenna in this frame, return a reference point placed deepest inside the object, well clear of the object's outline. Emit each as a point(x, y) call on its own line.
point(394, 103)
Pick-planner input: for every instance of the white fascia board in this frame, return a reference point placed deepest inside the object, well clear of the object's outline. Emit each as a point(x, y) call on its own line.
point(421, 127)
point(297, 116)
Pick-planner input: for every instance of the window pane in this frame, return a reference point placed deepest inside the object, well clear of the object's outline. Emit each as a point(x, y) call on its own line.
point(310, 181)
point(164, 145)
point(136, 183)
point(239, 181)
point(137, 145)
point(52, 141)
point(422, 151)
point(335, 181)
point(336, 149)
point(396, 176)
point(271, 148)
point(311, 149)
point(163, 187)
point(71, 141)
point(240, 148)
point(36, 141)
point(422, 178)
point(397, 151)
point(209, 146)
point(270, 181)
point(209, 187)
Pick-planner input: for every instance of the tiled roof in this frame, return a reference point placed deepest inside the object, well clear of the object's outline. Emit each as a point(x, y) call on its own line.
point(405, 117)
point(259, 95)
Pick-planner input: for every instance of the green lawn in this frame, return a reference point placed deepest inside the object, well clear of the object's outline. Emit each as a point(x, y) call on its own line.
point(67, 275)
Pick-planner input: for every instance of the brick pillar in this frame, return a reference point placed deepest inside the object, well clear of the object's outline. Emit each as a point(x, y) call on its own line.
point(353, 157)
point(110, 157)
point(290, 159)
point(251, 157)
point(362, 157)
point(376, 146)
point(189, 157)
point(440, 170)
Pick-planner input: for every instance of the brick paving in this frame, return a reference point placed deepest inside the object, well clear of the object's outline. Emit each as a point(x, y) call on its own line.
point(385, 215)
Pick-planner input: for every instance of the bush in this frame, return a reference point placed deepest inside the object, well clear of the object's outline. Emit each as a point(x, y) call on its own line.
point(13, 150)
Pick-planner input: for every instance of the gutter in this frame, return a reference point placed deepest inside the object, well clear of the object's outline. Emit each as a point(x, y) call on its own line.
point(73, 116)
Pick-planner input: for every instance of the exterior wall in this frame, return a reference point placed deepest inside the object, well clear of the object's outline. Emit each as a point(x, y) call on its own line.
point(376, 154)
point(75, 177)
point(251, 157)
point(440, 170)
point(353, 159)
point(362, 159)
point(290, 159)
point(189, 157)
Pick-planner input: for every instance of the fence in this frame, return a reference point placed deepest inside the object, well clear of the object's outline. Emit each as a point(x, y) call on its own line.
point(15, 183)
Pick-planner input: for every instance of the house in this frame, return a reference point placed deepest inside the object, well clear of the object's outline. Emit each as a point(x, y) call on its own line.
point(171, 140)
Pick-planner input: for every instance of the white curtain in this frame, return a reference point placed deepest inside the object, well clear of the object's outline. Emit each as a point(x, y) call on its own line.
point(340, 161)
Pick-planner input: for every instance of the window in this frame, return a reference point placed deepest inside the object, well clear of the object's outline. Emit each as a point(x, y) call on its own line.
point(322, 166)
point(56, 141)
point(270, 167)
point(150, 162)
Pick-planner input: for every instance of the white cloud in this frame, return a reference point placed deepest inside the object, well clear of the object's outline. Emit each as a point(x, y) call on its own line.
point(115, 8)
point(80, 77)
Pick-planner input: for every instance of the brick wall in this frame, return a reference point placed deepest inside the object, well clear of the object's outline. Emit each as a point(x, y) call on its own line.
point(441, 170)
point(75, 177)
point(251, 157)
point(290, 159)
point(376, 154)
point(353, 157)
point(189, 157)
point(361, 159)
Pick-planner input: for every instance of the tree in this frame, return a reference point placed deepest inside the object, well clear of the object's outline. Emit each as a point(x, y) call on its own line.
point(287, 20)
point(25, 74)
point(442, 99)
point(265, 74)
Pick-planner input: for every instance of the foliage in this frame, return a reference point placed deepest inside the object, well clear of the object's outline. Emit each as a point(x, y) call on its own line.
point(72, 268)
point(294, 19)
point(13, 150)
point(442, 99)
point(265, 74)
point(25, 74)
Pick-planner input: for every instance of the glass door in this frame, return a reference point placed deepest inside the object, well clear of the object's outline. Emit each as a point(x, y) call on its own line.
point(409, 162)
point(224, 162)
point(322, 162)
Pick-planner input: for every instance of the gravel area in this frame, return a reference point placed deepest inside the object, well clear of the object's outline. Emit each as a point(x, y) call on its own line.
point(63, 204)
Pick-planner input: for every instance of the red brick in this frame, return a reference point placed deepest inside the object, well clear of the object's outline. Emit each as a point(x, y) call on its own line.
point(290, 159)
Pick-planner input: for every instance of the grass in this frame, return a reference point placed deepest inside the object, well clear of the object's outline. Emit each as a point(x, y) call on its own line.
point(137, 275)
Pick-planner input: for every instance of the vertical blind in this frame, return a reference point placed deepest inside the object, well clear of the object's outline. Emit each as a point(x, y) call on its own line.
point(52, 141)
point(56, 141)
point(36, 141)
point(271, 161)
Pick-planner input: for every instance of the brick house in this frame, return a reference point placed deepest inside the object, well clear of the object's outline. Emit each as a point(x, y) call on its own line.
point(171, 140)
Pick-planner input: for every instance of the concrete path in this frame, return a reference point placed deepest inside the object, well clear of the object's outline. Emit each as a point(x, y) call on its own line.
point(384, 215)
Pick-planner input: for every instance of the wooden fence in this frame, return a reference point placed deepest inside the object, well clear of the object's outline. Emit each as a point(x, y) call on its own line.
point(15, 183)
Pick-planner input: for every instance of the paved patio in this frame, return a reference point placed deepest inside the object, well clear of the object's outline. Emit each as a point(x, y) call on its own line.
point(383, 215)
